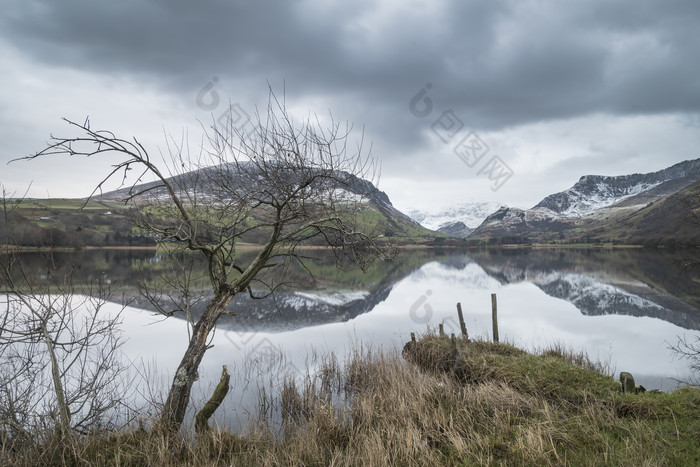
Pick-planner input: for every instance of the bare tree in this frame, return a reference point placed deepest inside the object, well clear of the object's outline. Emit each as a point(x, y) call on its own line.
point(60, 356)
point(276, 183)
point(689, 349)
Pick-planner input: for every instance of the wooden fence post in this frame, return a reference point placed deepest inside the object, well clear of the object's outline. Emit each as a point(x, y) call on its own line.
point(461, 321)
point(494, 317)
point(442, 330)
point(413, 337)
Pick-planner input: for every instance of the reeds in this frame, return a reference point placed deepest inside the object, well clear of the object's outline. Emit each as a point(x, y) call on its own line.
point(481, 404)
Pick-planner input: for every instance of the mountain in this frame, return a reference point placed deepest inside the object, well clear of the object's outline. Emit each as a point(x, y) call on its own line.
point(244, 174)
point(456, 229)
point(377, 206)
point(105, 220)
point(593, 192)
point(648, 208)
point(456, 221)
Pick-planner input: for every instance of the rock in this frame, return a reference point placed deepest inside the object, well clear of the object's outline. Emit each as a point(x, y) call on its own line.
point(627, 383)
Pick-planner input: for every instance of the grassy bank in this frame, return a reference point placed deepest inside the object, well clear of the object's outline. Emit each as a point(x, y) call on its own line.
point(474, 404)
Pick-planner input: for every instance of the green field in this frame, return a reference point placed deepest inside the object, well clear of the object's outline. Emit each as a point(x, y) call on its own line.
point(75, 223)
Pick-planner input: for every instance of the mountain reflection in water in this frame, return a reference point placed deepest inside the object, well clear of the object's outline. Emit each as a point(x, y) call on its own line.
point(633, 282)
point(620, 306)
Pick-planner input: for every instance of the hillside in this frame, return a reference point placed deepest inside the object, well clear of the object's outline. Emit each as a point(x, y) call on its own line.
point(673, 217)
point(456, 229)
point(655, 208)
point(594, 192)
point(376, 208)
point(106, 220)
point(69, 223)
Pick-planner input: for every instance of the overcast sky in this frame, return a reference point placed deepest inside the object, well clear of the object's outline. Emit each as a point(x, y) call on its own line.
point(531, 94)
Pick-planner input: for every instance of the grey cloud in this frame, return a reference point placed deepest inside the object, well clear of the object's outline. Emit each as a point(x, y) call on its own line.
point(499, 63)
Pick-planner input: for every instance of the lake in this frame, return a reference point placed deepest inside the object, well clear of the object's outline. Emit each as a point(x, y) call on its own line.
point(624, 307)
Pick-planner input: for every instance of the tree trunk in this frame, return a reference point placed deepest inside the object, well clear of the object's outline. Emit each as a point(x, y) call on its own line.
point(63, 410)
point(176, 405)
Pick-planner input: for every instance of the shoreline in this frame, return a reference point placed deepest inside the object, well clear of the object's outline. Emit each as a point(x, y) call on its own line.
point(534, 246)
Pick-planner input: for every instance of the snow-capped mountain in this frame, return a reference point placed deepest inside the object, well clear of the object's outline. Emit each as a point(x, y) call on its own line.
point(593, 192)
point(470, 214)
point(647, 208)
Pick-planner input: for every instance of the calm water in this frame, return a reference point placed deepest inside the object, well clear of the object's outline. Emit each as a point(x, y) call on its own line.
point(623, 307)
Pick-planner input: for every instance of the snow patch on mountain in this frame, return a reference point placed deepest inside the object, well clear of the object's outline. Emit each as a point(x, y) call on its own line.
point(595, 192)
point(471, 214)
point(593, 297)
point(577, 203)
point(336, 298)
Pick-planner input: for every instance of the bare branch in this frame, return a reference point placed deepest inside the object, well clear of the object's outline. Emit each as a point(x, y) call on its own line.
point(277, 183)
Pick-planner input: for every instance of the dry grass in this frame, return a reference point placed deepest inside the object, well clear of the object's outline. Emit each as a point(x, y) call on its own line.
point(481, 404)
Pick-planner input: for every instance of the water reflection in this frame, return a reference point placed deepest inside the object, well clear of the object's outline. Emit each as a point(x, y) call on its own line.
point(653, 283)
point(621, 306)
point(641, 283)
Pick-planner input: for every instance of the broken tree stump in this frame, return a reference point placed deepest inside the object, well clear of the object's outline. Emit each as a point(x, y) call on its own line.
point(201, 423)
